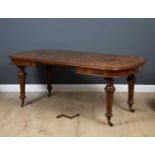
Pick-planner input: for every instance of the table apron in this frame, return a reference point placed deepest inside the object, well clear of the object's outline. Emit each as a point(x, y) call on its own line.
point(82, 70)
point(108, 73)
point(24, 63)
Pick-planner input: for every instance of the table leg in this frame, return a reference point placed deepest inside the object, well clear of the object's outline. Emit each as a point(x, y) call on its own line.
point(131, 82)
point(109, 99)
point(49, 79)
point(22, 79)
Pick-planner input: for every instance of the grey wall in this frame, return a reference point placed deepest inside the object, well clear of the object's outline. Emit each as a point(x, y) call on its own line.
point(117, 36)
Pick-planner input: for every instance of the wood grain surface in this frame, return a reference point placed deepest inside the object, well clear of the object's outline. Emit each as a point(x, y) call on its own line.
point(80, 59)
point(38, 117)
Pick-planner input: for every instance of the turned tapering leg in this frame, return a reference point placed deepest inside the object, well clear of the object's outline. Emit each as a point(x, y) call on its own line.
point(22, 79)
point(110, 89)
point(49, 79)
point(131, 82)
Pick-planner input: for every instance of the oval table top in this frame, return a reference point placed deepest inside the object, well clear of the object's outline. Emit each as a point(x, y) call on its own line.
point(81, 59)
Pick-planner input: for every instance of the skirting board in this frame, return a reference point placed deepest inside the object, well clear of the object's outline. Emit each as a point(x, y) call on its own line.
point(74, 88)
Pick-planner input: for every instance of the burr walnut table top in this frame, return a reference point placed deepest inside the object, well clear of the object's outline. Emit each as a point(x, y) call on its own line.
point(85, 62)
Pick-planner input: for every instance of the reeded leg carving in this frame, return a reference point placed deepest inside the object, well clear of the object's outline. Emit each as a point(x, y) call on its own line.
point(49, 79)
point(22, 79)
point(109, 99)
point(131, 82)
